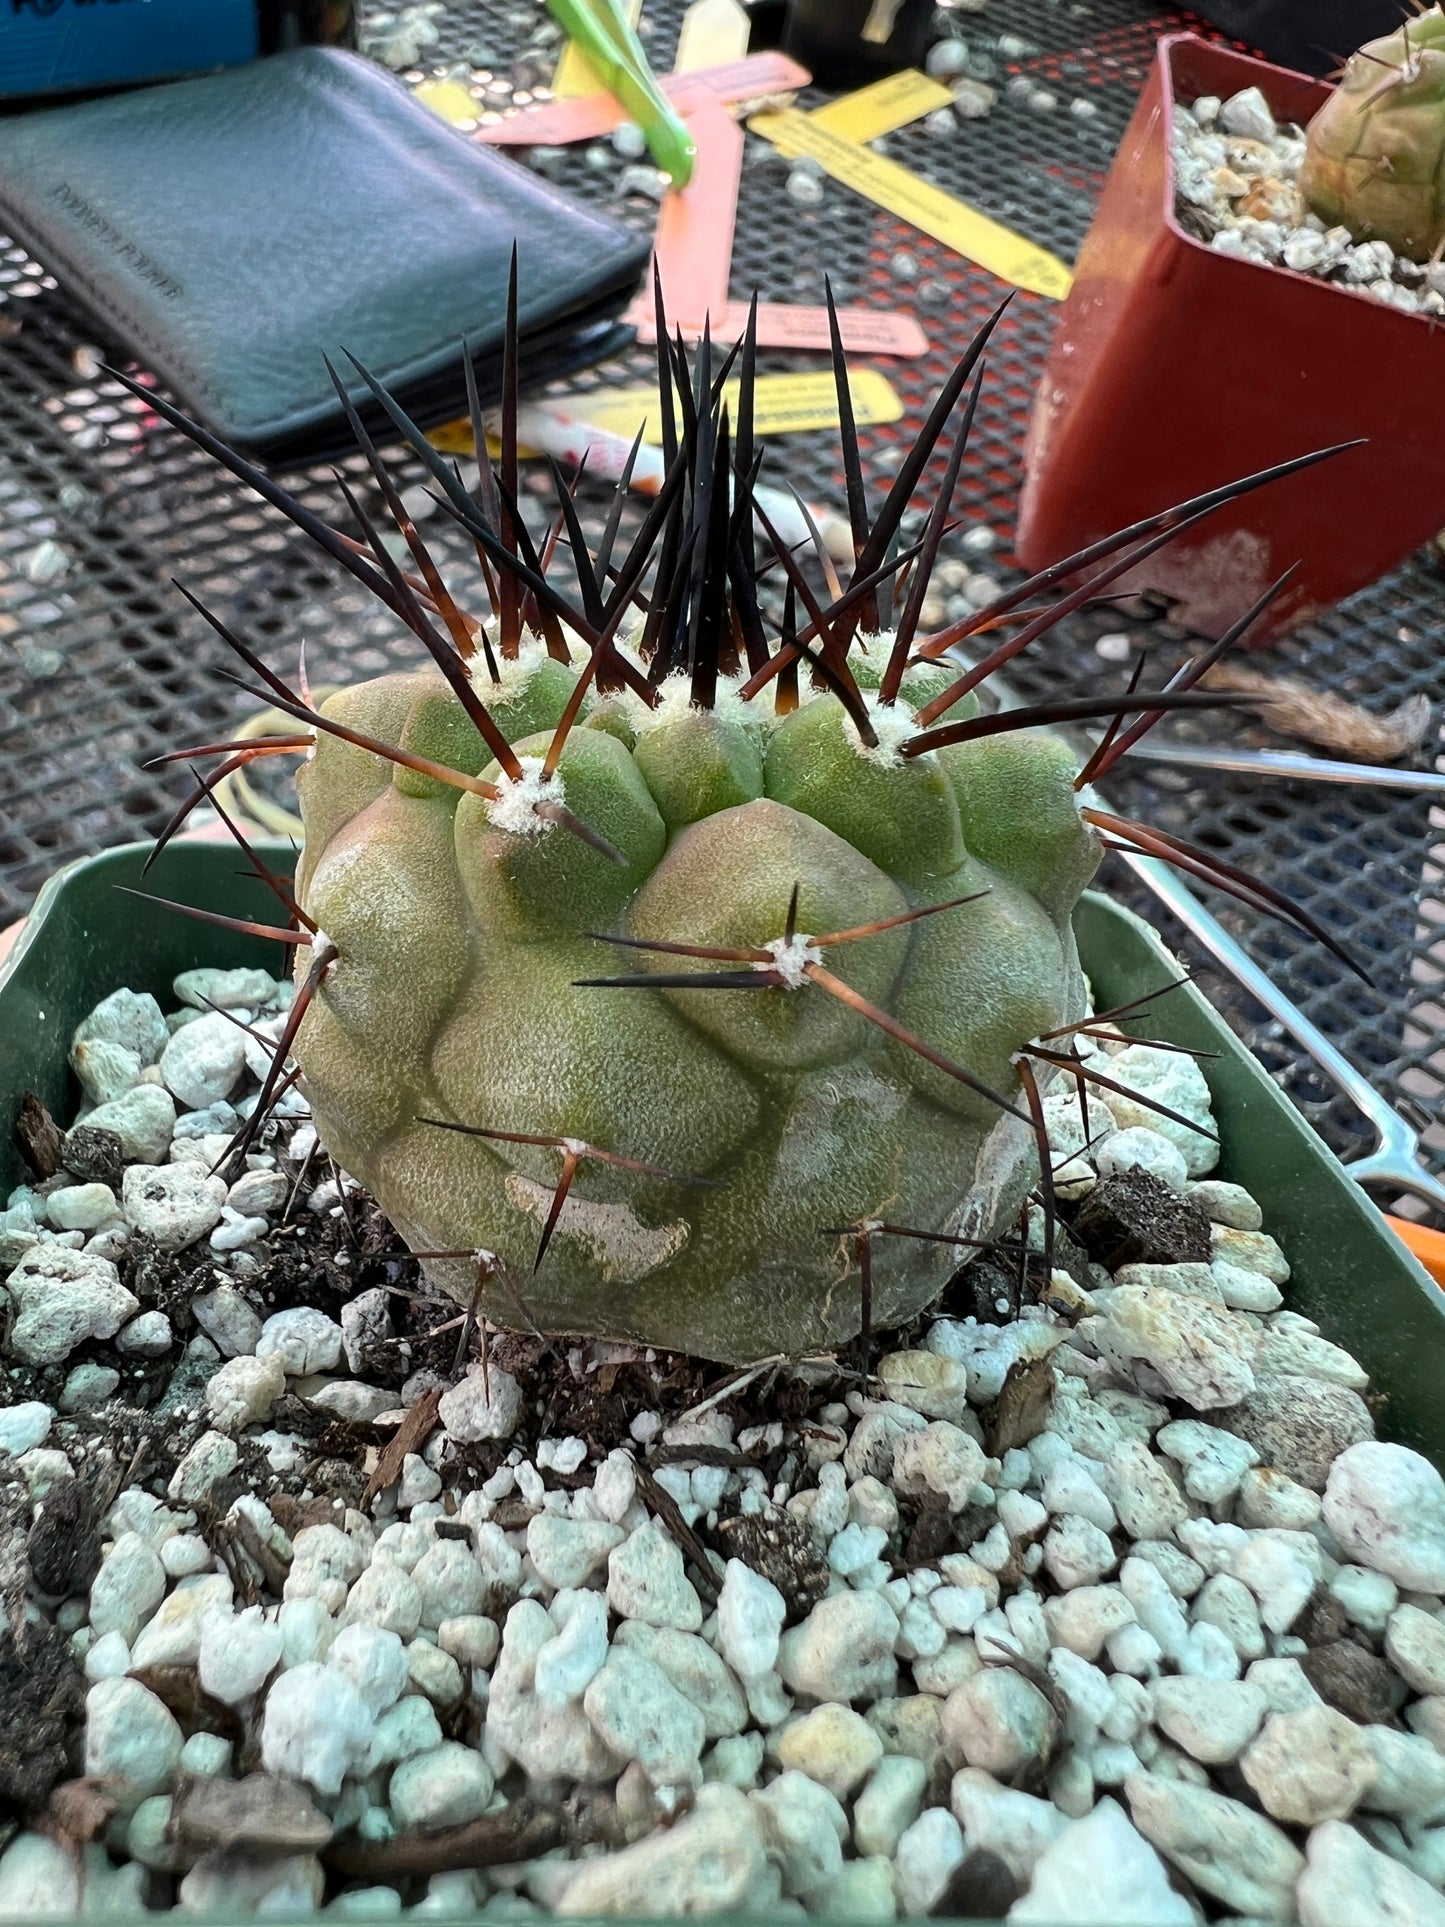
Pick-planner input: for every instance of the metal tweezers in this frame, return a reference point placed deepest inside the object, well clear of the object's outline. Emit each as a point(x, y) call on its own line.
point(1395, 1162)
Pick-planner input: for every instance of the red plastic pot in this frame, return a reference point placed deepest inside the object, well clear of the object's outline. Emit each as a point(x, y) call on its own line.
point(1175, 369)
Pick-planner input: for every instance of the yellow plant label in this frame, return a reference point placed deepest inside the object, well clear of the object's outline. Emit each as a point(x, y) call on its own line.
point(713, 34)
point(889, 103)
point(574, 78)
point(782, 405)
point(449, 99)
point(928, 208)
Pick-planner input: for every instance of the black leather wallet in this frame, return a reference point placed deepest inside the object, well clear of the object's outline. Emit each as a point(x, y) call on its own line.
point(231, 231)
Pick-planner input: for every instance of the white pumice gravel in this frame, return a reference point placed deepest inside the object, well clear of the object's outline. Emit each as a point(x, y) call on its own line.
point(1176, 1651)
point(1237, 187)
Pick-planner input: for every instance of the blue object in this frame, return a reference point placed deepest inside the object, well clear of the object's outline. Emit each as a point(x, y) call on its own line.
point(74, 46)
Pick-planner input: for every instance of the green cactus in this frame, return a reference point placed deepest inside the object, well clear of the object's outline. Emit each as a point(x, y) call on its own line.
point(1375, 152)
point(455, 996)
point(672, 975)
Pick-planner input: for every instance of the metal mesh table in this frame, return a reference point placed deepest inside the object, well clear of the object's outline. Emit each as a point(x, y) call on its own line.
point(103, 666)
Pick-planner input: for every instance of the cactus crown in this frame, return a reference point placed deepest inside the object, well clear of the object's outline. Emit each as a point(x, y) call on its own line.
point(623, 761)
point(1375, 152)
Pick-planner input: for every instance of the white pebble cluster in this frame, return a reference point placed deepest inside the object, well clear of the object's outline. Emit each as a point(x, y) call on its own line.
point(1237, 185)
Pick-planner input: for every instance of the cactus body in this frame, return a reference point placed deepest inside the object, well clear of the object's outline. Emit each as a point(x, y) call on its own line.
point(1375, 158)
point(463, 932)
point(677, 979)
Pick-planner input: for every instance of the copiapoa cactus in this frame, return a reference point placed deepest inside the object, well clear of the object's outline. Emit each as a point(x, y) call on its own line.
point(1375, 152)
point(673, 975)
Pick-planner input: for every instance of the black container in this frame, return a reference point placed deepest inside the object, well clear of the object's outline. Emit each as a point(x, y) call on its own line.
point(842, 43)
point(1312, 36)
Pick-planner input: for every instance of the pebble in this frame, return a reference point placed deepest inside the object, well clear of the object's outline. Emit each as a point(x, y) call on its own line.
point(1166, 1078)
point(107, 1657)
point(172, 1637)
point(443, 1788)
point(1213, 1720)
point(315, 1727)
point(237, 1654)
point(235, 1233)
point(803, 1829)
point(843, 1650)
point(1226, 1848)
point(1415, 1647)
point(710, 1862)
point(926, 1855)
point(236, 989)
point(998, 1721)
point(1017, 1826)
point(482, 1406)
point(1198, 1351)
point(64, 1297)
point(87, 1387)
point(1141, 1149)
point(941, 1459)
point(1385, 1506)
point(640, 1715)
point(374, 1661)
point(1101, 1870)
point(1349, 1880)
point(566, 1552)
point(228, 1320)
point(202, 1063)
point(834, 1746)
point(694, 1669)
point(128, 1587)
point(1301, 1425)
point(889, 1803)
point(1245, 1292)
point(305, 1340)
point(567, 1665)
point(143, 1119)
point(1409, 1774)
point(173, 1204)
point(1147, 1500)
point(131, 1740)
point(401, 1732)
point(1309, 1766)
point(646, 1581)
point(149, 1336)
point(81, 1207)
point(1227, 1204)
point(750, 1615)
point(925, 1382)
point(243, 1391)
point(38, 1876)
point(1309, 1356)
point(23, 1427)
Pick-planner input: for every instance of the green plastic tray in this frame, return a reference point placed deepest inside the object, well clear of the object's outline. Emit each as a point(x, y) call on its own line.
point(1351, 1274)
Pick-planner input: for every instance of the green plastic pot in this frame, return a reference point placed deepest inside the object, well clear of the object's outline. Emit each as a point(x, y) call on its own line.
point(1351, 1274)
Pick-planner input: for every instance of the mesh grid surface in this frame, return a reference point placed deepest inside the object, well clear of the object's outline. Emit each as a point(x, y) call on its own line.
point(103, 666)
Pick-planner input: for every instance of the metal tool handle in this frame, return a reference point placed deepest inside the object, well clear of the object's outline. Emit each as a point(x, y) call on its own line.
point(1396, 1159)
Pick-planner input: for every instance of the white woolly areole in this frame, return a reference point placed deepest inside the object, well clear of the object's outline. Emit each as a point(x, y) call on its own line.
point(576, 1145)
point(675, 702)
point(894, 723)
point(789, 955)
point(515, 672)
point(514, 807)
